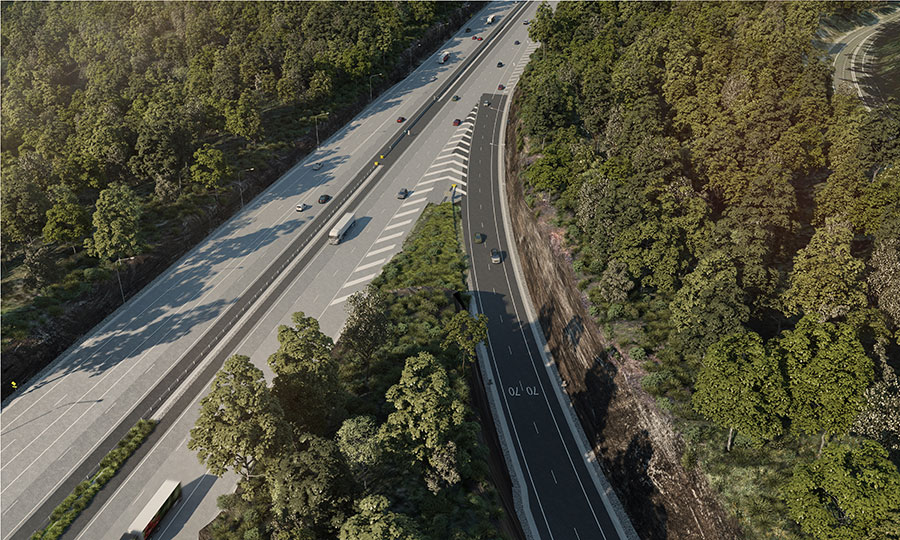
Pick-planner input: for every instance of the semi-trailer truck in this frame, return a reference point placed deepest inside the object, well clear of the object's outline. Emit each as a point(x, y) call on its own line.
point(341, 227)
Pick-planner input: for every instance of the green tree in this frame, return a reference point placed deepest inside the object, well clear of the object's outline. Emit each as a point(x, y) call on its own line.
point(710, 304)
point(40, 266)
point(885, 277)
point(880, 419)
point(209, 168)
point(846, 494)
point(116, 224)
point(465, 332)
point(367, 324)
point(24, 208)
point(307, 384)
point(67, 220)
point(428, 416)
point(243, 118)
point(374, 521)
point(358, 441)
point(240, 422)
point(828, 373)
point(827, 280)
point(310, 489)
point(740, 386)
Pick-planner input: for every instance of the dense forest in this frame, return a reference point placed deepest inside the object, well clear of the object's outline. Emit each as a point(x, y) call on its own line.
point(371, 439)
point(735, 225)
point(132, 127)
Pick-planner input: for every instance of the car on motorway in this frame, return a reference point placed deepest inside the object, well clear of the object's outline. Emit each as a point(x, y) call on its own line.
point(499, 64)
point(518, 42)
point(480, 39)
point(324, 198)
point(401, 119)
point(301, 207)
point(403, 193)
point(454, 98)
point(457, 122)
point(474, 38)
point(500, 87)
point(486, 103)
point(468, 29)
point(480, 238)
point(495, 256)
point(525, 22)
point(317, 166)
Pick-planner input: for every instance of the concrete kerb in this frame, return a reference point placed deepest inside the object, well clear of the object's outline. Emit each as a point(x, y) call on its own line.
point(616, 511)
point(519, 493)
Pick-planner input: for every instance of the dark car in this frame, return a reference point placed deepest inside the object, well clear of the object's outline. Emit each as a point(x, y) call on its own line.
point(457, 122)
point(517, 42)
point(525, 21)
point(401, 120)
point(499, 64)
point(495, 256)
point(468, 30)
point(500, 87)
point(403, 193)
point(455, 98)
point(324, 199)
point(480, 238)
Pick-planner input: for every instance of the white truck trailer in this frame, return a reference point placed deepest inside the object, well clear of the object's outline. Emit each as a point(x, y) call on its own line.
point(341, 227)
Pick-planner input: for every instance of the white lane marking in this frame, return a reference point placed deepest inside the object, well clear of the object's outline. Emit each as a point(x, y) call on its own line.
point(8, 445)
point(554, 477)
point(390, 236)
point(408, 212)
point(360, 280)
point(442, 171)
point(64, 397)
point(535, 427)
point(441, 179)
point(401, 224)
point(455, 159)
point(421, 190)
point(369, 265)
point(415, 201)
point(382, 250)
point(8, 508)
point(460, 191)
point(577, 536)
point(339, 300)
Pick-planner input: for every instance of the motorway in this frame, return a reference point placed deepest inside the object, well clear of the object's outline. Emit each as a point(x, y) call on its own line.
point(227, 295)
point(562, 491)
point(852, 58)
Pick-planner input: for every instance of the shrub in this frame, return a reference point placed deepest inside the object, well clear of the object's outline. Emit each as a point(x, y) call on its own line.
point(638, 354)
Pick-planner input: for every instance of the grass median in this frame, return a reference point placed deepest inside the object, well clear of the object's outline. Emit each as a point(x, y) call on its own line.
point(84, 492)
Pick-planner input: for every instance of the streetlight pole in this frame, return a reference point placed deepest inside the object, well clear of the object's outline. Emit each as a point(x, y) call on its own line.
point(241, 184)
point(370, 84)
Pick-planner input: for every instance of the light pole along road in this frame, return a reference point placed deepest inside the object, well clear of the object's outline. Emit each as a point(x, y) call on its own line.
point(186, 322)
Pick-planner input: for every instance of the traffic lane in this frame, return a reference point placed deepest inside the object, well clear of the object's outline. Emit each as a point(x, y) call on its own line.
point(547, 445)
point(592, 515)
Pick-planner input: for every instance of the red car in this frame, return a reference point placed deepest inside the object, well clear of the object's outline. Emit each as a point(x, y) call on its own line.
point(457, 122)
point(401, 120)
point(500, 87)
point(481, 39)
point(475, 38)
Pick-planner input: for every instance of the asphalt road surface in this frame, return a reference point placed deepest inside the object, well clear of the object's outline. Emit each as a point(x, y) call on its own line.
point(562, 494)
point(156, 354)
point(853, 60)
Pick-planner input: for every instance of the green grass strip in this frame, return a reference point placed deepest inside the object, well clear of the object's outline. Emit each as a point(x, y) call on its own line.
point(81, 496)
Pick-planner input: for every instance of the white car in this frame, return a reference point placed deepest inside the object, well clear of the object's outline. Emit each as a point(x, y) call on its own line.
point(301, 207)
point(317, 166)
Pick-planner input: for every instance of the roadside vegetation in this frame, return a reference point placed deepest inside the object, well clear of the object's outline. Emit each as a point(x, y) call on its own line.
point(129, 128)
point(735, 227)
point(372, 438)
point(72, 506)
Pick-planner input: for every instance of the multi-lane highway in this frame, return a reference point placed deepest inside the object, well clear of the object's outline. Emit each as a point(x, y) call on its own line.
point(228, 294)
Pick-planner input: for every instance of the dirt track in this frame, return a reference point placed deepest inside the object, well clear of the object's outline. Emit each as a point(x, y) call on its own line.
point(636, 445)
